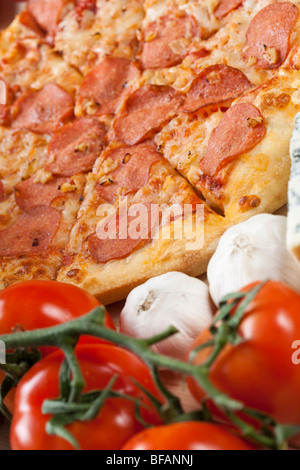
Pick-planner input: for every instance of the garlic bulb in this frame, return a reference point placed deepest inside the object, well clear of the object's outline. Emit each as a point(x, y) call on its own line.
point(252, 251)
point(173, 299)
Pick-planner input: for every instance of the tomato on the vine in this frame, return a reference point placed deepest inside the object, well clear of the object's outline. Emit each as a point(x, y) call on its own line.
point(33, 305)
point(116, 421)
point(190, 435)
point(259, 370)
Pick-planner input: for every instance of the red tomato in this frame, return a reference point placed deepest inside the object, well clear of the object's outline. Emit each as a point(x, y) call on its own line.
point(260, 371)
point(41, 304)
point(35, 305)
point(186, 436)
point(116, 422)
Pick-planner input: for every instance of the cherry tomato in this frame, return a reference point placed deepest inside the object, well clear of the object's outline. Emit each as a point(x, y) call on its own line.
point(187, 436)
point(35, 305)
point(116, 422)
point(259, 371)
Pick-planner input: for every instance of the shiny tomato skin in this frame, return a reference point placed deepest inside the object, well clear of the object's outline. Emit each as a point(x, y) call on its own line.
point(188, 435)
point(33, 305)
point(116, 422)
point(260, 371)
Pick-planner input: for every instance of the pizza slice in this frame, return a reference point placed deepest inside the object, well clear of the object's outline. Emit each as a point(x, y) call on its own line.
point(42, 181)
point(239, 159)
point(35, 223)
point(139, 218)
point(37, 217)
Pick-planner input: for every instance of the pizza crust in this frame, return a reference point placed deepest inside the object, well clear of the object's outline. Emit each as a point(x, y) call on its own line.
point(114, 280)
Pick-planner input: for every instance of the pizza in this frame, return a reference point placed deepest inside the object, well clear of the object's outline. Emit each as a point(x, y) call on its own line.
point(134, 133)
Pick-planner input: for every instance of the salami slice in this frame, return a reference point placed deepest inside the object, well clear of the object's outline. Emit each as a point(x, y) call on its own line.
point(2, 193)
point(107, 250)
point(226, 6)
point(29, 194)
point(133, 170)
point(31, 234)
point(75, 148)
point(269, 33)
point(47, 13)
point(121, 244)
point(43, 111)
point(103, 88)
point(240, 130)
point(215, 84)
point(147, 110)
point(167, 40)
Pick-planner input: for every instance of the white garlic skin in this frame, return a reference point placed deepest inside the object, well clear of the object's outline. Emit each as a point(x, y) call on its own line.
point(252, 251)
point(173, 299)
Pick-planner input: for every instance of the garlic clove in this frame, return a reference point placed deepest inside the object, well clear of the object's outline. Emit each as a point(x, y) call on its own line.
point(252, 251)
point(173, 299)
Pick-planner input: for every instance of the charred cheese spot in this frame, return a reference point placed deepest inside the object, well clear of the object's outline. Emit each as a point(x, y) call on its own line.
point(249, 202)
point(73, 273)
point(270, 101)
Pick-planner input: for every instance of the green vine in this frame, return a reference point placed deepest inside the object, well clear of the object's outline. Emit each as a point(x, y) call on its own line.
point(73, 405)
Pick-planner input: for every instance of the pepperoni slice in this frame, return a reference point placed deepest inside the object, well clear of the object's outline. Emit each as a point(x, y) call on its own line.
point(167, 40)
point(147, 110)
point(240, 130)
point(269, 33)
point(120, 243)
point(47, 13)
point(107, 250)
point(75, 148)
point(226, 6)
point(29, 194)
point(132, 172)
point(42, 111)
point(215, 84)
point(2, 193)
point(31, 234)
point(103, 88)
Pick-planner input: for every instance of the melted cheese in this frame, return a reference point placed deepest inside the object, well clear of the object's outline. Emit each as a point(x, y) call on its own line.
point(111, 31)
point(22, 154)
point(28, 63)
point(202, 11)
